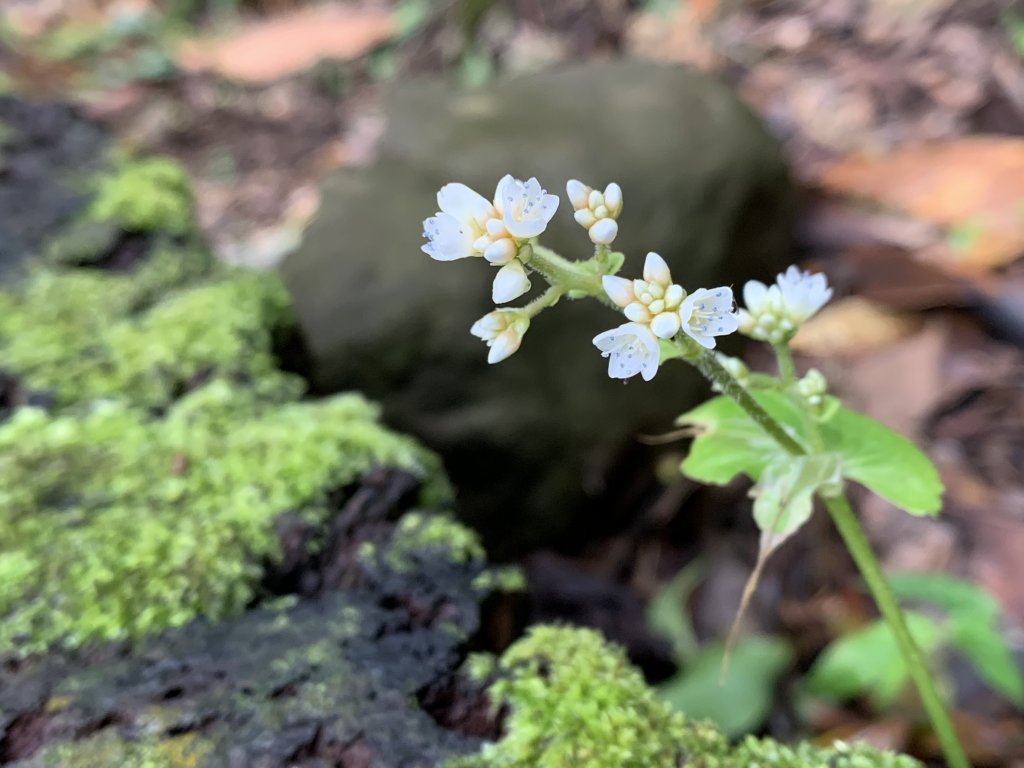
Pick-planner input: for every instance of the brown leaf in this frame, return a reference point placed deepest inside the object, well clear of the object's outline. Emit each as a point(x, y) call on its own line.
point(290, 43)
point(850, 326)
point(972, 187)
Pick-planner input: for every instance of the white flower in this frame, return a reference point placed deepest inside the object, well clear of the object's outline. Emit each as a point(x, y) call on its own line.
point(453, 231)
point(503, 330)
point(653, 301)
point(510, 283)
point(774, 312)
point(631, 349)
point(468, 225)
point(707, 313)
point(525, 208)
point(596, 211)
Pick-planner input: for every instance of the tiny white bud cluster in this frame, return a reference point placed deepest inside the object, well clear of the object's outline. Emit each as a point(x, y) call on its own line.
point(596, 211)
point(657, 308)
point(812, 388)
point(503, 330)
point(775, 312)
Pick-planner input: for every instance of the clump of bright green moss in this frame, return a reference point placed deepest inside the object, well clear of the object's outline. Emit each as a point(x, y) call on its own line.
point(144, 195)
point(117, 524)
point(574, 701)
point(83, 334)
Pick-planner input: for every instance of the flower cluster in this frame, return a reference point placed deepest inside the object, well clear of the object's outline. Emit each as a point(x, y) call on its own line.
point(596, 211)
point(503, 232)
point(469, 225)
point(657, 309)
point(775, 312)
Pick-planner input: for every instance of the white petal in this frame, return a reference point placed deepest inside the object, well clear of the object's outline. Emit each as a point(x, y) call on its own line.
point(578, 192)
point(595, 199)
point(585, 218)
point(656, 270)
point(489, 326)
point(500, 251)
point(619, 290)
point(650, 368)
point(613, 199)
point(674, 295)
point(449, 238)
point(510, 283)
point(603, 232)
point(754, 295)
point(463, 203)
point(608, 340)
point(504, 191)
point(665, 325)
point(637, 312)
point(504, 346)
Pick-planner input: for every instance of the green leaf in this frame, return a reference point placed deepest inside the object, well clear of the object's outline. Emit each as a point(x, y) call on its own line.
point(973, 626)
point(730, 443)
point(741, 701)
point(959, 598)
point(985, 648)
point(666, 612)
point(784, 494)
point(884, 461)
point(869, 661)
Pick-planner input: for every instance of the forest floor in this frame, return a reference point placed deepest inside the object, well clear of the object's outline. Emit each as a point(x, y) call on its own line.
point(903, 125)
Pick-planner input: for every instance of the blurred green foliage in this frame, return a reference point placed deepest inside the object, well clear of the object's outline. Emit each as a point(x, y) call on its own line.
point(867, 662)
point(574, 701)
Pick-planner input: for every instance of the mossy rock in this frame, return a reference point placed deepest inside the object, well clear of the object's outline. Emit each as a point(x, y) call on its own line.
point(524, 441)
point(335, 678)
point(574, 701)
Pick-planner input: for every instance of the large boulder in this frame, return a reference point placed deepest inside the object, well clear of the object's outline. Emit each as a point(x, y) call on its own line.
point(705, 186)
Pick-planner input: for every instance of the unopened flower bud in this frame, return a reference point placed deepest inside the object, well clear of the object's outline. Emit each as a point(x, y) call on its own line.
point(603, 231)
point(503, 330)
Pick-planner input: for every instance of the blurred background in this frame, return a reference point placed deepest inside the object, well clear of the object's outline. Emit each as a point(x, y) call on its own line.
point(210, 225)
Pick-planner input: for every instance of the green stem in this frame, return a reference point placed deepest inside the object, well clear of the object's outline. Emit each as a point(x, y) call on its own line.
point(787, 369)
point(713, 370)
point(547, 299)
point(859, 548)
point(568, 275)
point(857, 543)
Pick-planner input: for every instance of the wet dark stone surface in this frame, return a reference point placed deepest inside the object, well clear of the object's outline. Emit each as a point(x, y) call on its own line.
point(47, 150)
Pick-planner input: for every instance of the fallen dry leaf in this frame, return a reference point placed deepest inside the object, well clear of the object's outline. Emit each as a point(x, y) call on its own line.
point(971, 187)
point(290, 43)
point(851, 326)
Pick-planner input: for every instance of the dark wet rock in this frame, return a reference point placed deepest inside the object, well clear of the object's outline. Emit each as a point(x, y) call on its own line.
point(47, 152)
point(332, 678)
point(527, 441)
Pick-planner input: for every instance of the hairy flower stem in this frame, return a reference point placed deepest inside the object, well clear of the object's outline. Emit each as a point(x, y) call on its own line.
point(547, 299)
point(787, 369)
point(567, 275)
point(860, 549)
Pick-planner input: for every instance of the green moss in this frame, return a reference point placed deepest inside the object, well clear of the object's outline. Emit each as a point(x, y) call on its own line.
point(106, 750)
point(118, 524)
point(84, 334)
point(145, 195)
point(574, 701)
point(418, 535)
